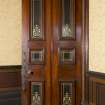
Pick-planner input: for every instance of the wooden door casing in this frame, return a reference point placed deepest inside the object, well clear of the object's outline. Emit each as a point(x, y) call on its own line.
point(51, 75)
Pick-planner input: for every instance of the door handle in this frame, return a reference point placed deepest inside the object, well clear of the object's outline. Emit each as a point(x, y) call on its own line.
point(29, 72)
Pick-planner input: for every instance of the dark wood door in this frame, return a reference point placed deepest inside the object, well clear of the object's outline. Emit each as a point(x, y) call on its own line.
point(52, 52)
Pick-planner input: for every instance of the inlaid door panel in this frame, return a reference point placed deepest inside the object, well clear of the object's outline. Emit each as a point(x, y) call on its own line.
point(36, 79)
point(67, 57)
point(52, 52)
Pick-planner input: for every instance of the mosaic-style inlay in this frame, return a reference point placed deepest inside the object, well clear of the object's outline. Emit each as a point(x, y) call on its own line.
point(36, 93)
point(67, 18)
point(36, 19)
point(67, 91)
point(67, 56)
point(37, 56)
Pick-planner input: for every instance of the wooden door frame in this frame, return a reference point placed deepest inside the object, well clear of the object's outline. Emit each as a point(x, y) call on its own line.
point(85, 44)
point(85, 49)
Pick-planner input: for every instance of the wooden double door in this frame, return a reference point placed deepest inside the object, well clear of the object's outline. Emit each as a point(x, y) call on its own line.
point(52, 52)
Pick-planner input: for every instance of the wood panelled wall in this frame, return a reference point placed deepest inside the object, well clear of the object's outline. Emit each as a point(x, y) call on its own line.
point(10, 85)
point(96, 88)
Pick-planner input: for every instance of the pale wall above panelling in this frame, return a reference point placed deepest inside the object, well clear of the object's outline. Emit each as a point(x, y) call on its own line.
point(97, 35)
point(10, 32)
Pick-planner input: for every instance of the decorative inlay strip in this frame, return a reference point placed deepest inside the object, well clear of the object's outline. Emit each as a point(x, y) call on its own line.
point(67, 19)
point(36, 19)
point(36, 93)
point(66, 93)
point(37, 56)
point(66, 55)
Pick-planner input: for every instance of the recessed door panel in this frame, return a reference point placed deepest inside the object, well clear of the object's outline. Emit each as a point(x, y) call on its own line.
point(37, 14)
point(66, 56)
point(37, 56)
point(67, 19)
point(67, 93)
point(37, 93)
